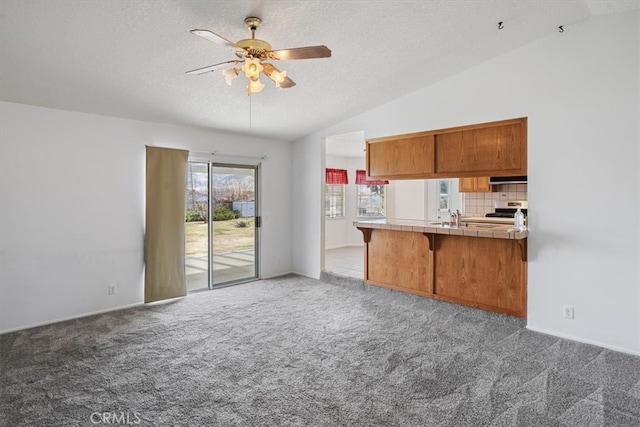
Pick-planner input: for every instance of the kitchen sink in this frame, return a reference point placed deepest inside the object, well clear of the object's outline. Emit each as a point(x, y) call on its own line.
point(440, 224)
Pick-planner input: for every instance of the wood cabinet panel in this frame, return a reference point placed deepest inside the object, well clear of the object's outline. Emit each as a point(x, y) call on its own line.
point(450, 152)
point(400, 260)
point(482, 272)
point(492, 149)
point(497, 148)
point(474, 185)
point(405, 157)
point(467, 185)
point(482, 184)
point(485, 149)
point(487, 273)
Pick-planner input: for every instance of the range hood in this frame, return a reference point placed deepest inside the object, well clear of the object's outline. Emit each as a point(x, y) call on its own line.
point(495, 180)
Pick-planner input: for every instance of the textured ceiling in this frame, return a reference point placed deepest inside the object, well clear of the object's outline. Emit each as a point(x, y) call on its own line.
point(128, 58)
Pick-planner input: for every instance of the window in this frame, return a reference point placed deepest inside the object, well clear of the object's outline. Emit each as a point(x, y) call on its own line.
point(371, 201)
point(334, 201)
point(334, 190)
point(444, 189)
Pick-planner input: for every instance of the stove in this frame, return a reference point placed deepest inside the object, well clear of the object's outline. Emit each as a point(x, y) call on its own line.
point(508, 208)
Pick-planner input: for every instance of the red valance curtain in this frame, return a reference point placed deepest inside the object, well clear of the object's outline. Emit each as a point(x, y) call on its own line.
point(361, 179)
point(336, 176)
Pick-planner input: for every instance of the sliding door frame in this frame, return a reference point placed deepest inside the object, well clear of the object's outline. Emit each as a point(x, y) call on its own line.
point(257, 223)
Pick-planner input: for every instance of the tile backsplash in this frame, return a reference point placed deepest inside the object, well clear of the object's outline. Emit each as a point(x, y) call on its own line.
point(479, 204)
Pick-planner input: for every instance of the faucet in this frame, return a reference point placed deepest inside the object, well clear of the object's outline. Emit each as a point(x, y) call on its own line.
point(455, 218)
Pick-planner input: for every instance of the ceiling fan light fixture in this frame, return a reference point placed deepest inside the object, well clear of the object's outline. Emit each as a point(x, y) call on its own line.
point(251, 52)
point(230, 74)
point(252, 68)
point(278, 76)
point(255, 86)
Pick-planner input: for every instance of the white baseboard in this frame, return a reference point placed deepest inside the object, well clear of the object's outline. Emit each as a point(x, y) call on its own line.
point(305, 275)
point(343, 246)
point(64, 319)
point(582, 340)
point(276, 275)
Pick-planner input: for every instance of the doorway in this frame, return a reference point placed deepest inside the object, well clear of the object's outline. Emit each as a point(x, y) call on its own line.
point(222, 225)
point(342, 244)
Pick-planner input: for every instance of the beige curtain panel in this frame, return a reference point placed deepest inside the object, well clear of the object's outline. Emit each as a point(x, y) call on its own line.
point(164, 276)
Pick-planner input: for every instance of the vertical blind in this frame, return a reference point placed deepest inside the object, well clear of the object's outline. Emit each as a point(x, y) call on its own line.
point(361, 179)
point(164, 225)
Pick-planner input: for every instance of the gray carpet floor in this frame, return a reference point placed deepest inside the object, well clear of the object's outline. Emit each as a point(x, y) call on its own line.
point(294, 351)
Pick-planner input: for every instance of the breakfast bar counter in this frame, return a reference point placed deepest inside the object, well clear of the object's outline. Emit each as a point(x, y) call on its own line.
point(467, 228)
point(476, 264)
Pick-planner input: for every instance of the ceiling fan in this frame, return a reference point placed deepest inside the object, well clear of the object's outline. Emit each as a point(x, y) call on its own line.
point(254, 55)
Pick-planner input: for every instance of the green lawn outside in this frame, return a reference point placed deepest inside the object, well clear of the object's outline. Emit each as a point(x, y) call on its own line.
point(227, 237)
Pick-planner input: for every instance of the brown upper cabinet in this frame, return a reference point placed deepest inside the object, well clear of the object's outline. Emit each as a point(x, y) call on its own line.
point(401, 157)
point(480, 150)
point(474, 185)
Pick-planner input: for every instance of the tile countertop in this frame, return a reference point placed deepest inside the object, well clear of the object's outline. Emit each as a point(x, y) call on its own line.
point(495, 231)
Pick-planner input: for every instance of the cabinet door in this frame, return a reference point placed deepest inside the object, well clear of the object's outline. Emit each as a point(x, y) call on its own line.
point(467, 185)
point(400, 260)
point(408, 157)
point(496, 148)
point(481, 272)
point(482, 184)
point(474, 185)
point(493, 150)
point(450, 152)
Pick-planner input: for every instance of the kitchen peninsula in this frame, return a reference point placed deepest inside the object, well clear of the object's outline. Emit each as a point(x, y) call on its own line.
point(480, 265)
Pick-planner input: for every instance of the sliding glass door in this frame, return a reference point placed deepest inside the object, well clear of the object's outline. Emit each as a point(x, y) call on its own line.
point(233, 191)
point(222, 224)
point(197, 226)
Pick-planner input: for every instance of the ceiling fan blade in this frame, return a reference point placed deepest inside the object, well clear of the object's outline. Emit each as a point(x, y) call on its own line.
point(211, 36)
point(301, 53)
point(268, 68)
point(212, 67)
point(287, 83)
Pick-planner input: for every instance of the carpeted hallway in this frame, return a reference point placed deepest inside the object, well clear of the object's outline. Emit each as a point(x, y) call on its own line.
point(294, 351)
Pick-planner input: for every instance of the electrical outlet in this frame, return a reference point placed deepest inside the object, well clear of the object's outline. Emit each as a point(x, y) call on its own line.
point(111, 288)
point(568, 312)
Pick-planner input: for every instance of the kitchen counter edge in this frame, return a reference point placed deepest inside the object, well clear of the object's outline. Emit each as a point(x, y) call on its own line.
point(500, 231)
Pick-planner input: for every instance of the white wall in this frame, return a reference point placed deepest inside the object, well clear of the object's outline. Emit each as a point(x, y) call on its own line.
point(308, 218)
point(418, 199)
point(580, 91)
point(340, 232)
point(406, 199)
point(72, 191)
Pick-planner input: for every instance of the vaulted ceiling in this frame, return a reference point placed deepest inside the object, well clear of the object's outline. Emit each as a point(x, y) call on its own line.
point(128, 58)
